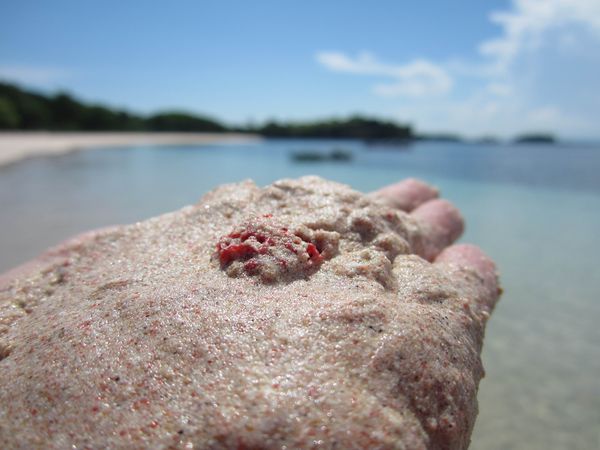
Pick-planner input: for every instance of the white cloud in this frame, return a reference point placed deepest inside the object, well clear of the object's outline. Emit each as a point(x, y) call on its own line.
point(415, 79)
point(500, 89)
point(540, 68)
point(524, 25)
point(33, 75)
point(541, 72)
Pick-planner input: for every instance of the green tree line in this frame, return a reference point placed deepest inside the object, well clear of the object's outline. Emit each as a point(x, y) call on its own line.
point(21, 109)
point(25, 110)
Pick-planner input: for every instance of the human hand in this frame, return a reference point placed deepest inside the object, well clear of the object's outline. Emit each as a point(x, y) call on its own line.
point(147, 332)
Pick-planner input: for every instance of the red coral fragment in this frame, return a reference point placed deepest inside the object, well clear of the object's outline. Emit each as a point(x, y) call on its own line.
point(262, 242)
point(314, 254)
point(228, 253)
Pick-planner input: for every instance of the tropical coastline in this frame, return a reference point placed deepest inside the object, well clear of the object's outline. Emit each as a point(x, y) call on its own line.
point(16, 146)
point(24, 110)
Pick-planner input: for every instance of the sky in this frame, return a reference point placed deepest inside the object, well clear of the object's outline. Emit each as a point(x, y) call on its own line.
point(471, 66)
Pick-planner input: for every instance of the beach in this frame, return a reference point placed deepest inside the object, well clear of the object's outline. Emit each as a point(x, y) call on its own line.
point(15, 146)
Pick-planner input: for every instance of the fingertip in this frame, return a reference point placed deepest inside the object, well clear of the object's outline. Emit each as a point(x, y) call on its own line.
point(468, 255)
point(471, 257)
point(407, 194)
point(443, 224)
point(420, 189)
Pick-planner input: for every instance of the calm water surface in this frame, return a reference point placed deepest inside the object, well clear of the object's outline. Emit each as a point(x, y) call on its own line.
point(534, 209)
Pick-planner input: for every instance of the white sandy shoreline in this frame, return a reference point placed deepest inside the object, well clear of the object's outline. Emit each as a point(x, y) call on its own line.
point(15, 146)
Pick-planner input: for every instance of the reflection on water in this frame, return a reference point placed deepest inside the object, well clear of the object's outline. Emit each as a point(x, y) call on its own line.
point(535, 209)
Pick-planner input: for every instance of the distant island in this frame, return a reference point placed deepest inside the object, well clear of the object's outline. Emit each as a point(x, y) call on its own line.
point(535, 138)
point(356, 127)
point(22, 109)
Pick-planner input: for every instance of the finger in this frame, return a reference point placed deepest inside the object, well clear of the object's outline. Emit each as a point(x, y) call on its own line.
point(56, 254)
point(476, 272)
point(442, 224)
point(407, 194)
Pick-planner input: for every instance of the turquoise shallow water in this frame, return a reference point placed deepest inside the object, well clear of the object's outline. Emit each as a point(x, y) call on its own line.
point(534, 209)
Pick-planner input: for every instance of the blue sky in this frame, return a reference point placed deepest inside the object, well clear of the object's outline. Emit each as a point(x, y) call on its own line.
point(475, 67)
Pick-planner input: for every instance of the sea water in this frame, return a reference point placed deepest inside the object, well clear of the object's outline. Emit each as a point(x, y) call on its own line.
point(534, 209)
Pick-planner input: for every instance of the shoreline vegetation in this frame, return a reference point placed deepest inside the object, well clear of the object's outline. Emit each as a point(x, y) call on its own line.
point(22, 109)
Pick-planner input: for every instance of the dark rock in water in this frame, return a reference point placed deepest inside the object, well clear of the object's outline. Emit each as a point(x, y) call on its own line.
point(308, 156)
point(336, 155)
point(340, 155)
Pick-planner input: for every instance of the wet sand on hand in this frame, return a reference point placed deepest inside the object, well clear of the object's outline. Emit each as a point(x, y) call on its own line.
point(15, 146)
point(267, 318)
